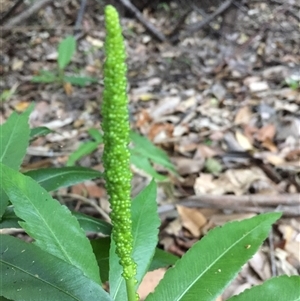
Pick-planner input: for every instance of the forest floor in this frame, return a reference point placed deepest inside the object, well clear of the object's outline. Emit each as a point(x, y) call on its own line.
point(225, 106)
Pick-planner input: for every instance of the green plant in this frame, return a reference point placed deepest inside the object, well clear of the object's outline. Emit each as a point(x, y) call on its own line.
point(293, 82)
point(7, 94)
point(142, 153)
point(66, 50)
point(62, 264)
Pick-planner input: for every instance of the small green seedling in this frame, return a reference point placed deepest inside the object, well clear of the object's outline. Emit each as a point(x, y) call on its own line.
point(293, 82)
point(66, 50)
point(7, 94)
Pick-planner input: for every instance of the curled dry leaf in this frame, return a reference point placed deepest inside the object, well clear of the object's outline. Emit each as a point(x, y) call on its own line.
point(160, 132)
point(192, 219)
point(266, 133)
point(237, 181)
point(187, 166)
point(282, 264)
point(243, 141)
point(260, 264)
point(243, 116)
point(269, 144)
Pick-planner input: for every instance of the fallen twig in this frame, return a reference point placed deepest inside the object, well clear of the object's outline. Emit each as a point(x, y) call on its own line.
point(139, 16)
point(197, 26)
point(10, 11)
point(288, 204)
point(245, 200)
point(87, 201)
point(35, 7)
point(272, 254)
point(79, 17)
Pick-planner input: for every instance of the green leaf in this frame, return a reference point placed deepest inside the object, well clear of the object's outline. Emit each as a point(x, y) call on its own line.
point(54, 178)
point(83, 150)
point(80, 81)
point(51, 225)
point(66, 49)
point(96, 135)
point(213, 166)
point(209, 266)
point(87, 147)
point(87, 223)
point(29, 273)
point(101, 250)
point(145, 148)
point(7, 94)
point(162, 259)
point(143, 163)
point(45, 77)
point(14, 139)
point(279, 288)
point(9, 219)
point(145, 223)
point(40, 131)
point(92, 224)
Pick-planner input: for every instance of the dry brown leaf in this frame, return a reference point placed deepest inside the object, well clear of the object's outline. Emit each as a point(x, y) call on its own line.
point(204, 151)
point(68, 88)
point(185, 148)
point(165, 106)
point(204, 184)
point(269, 144)
point(266, 133)
point(79, 189)
point(174, 227)
point(167, 242)
point(58, 123)
point(291, 236)
point(93, 190)
point(243, 116)
point(192, 219)
point(293, 155)
point(293, 247)
point(260, 264)
point(159, 132)
point(185, 166)
point(237, 181)
point(242, 179)
point(282, 264)
point(275, 160)
point(17, 64)
point(150, 281)
point(22, 106)
point(186, 104)
point(180, 129)
point(143, 118)
point(218, 91)
point(95, 42)
point(241, 288)
point(243, 141)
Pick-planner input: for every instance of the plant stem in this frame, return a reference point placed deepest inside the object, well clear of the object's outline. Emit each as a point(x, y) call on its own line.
point(61, 74)
point(130, 287)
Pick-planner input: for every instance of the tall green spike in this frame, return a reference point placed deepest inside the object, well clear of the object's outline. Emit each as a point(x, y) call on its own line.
point(116, 128)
